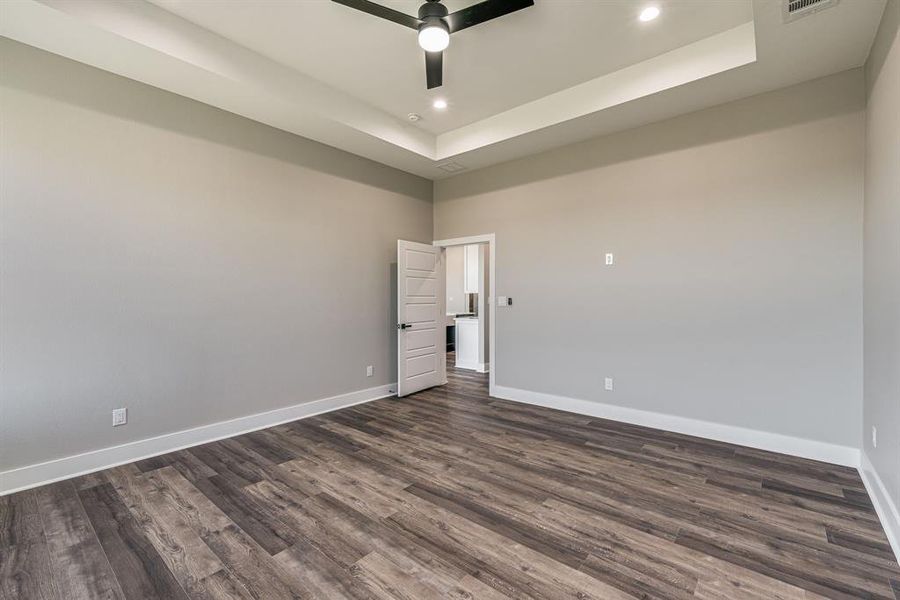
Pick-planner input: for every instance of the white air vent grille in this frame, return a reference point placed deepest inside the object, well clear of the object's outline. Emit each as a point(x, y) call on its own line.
point(797, 9)
point(451, 167)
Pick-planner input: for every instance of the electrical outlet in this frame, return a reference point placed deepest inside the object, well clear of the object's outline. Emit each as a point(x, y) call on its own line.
point(874, 437)
point(610, 259)
point(120, 416)
point(370, 370)
point(608, 384)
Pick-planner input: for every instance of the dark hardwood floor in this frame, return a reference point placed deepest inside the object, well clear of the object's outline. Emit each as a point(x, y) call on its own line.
point(449, 494)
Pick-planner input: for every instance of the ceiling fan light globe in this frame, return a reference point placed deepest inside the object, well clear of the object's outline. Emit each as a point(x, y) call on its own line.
point(434, 38)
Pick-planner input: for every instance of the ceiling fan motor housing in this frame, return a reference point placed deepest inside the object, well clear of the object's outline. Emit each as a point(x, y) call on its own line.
point(432, 10)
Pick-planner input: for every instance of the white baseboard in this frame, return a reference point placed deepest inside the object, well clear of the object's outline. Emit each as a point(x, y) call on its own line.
point(762, 440)
point(884, 504)
point(43, 473)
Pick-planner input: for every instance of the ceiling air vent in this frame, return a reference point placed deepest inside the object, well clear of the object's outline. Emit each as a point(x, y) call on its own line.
point(797, 9)
point(451, 167)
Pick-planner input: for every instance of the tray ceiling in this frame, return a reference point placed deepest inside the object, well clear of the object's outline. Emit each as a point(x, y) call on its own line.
point(555, 73)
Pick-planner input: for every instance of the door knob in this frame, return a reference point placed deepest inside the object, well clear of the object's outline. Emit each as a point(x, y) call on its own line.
point(404, 326)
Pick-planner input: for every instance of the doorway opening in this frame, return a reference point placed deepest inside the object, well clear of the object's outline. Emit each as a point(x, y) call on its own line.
point(467, 319)
point(446, 307)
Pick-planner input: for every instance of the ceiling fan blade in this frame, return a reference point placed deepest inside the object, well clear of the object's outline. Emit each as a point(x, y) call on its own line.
point(484, 11)
point(434, 69)
point(382, 11)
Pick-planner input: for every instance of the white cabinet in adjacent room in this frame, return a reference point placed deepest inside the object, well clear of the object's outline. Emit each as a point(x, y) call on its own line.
point(467, 340)
point(456, 280)
point(471, 269)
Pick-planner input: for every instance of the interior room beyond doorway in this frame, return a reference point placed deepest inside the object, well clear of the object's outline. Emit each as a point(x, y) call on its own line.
point(467, 314)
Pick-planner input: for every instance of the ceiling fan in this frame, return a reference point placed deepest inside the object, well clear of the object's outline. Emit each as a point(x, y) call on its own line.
point(435, 25)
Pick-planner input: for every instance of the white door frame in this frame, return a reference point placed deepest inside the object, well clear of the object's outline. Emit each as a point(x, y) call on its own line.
point(490, 240)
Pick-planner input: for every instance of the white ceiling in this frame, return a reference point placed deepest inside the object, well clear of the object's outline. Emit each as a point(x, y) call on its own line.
point(493, 67)
point(551, 74)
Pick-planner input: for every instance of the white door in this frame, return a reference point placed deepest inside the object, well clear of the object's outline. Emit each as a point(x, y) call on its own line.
point(421, 333)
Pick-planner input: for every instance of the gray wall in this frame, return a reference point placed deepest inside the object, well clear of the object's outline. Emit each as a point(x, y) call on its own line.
point(882, 254)
point(196, 266)
point(736, 296)
point(189, 264)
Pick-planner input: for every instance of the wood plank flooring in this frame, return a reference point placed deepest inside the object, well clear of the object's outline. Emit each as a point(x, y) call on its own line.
point(450, 494)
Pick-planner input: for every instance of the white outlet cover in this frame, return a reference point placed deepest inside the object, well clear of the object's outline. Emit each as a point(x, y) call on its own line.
point(608, 384)
point(610, 259)
point(370, 370)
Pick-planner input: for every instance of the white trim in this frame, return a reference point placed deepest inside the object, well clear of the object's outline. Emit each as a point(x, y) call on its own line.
point(887, 511)
point(763, 440)
point(491, 240)
point(43, 473)
point(483, 367)
point(486, 238)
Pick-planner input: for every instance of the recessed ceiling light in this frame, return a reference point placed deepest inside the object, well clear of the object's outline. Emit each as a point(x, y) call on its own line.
point(649, 13)
point(439, 104)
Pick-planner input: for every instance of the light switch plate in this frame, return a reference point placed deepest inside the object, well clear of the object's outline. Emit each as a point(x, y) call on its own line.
point(120, 416)
point(610, 259)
